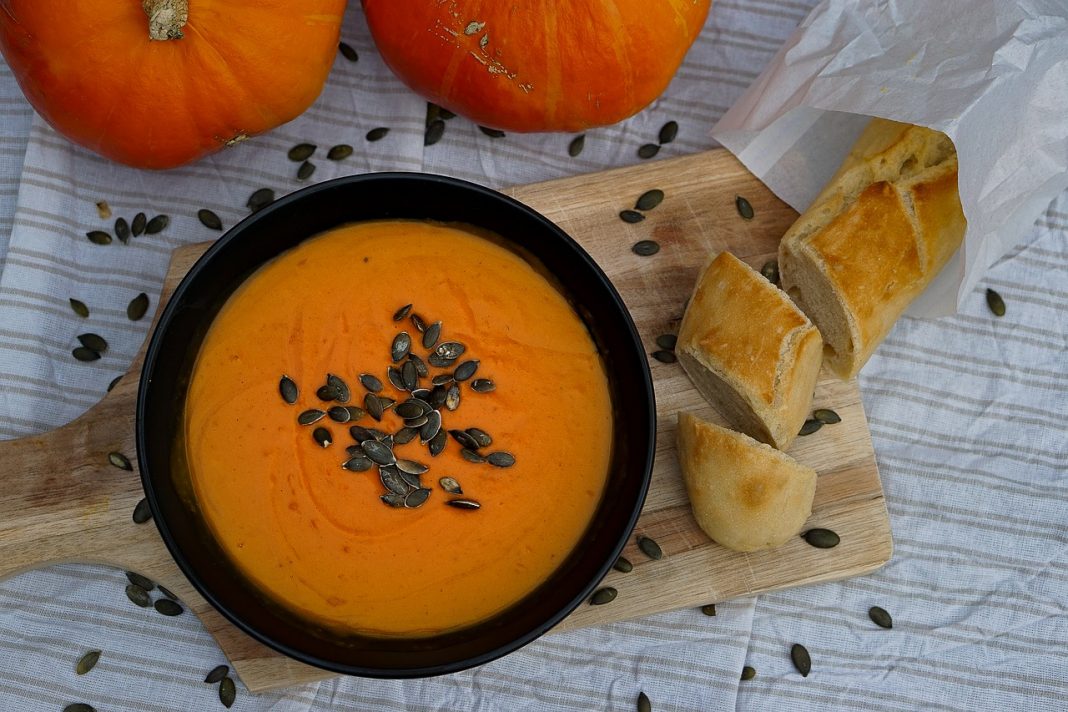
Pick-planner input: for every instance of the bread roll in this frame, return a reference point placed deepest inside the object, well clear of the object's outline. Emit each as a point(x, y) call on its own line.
point(750, 351)
point(874, 239)
point(745, 495)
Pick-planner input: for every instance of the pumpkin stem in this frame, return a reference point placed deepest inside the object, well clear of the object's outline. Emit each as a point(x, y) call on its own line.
point(166, 18)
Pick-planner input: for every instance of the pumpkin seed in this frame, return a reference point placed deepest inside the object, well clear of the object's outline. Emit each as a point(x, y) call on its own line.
point(301, 152)
point(410, 409)
point(377, 134)
point(743, 207)
point(667, 341)
point(259, 200)
point(209, 219)
point(137, 225)
point(472, 456)
point(422, 394)
point(709, 609)
point(166, 592)
point(94, 342)
point(417, 422)
point(357, 463)
point(452, 397)
point(79, 707)
point(438, 361)
point(411, 467)
point(114, 382)
point(402, 344)
point(648, 150)
point(810, 426)
point(137, 307)
point(87, 662)
point(826, 416)
point(430, 336)
point(463, 503)
point(748, 673)
point(481, 437)
point(157, 224)
point(168, 607)
point(79, 308)
point(312, 415)
point(668, 132)
point(120, 461)
point(420, 366)
point(434, 131)
point(393, 500)
point(802, 661)
point(339, 414)
point(631, 216)
point(139, 580)
point(339, 152)
point(450, 485)
point(649, 199)
point(650, 548)
point(370, 382)
point(603, 595)
point(98, 237)
point(142, 512)
point(405, 435)
point(378, 453)
point(402, 313)
point(577, 144)
point(644, 704)
point(995, 302)
point(287, 388)
point(492, 133)
point(355, 413)
point(83, 354)
point(391, 480)
point(416, 498)
point(443, 379)
point(880, 617)
point(483, 385)
point(348, 52)
point(305, 171)
point(323, 437)
point(821, 538)
point(122, 230)
point(217, 673)
point(103, 209)
point(418, 323)
point(451, 350)
point(770, 270)
point(501, 459)
point(623, 565)
point(474, 27)
point(431, 427)
point(437, 443)
point(465, 370)
point(465, 440)
point(138, 595)
point(665, 356)
point(227, 692)
point(645, 248)
point(338, 388)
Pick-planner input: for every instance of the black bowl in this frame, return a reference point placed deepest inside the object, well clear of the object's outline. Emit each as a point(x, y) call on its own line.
point(275, 229)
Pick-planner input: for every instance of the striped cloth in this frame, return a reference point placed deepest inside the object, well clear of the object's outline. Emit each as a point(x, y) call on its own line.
point(967, 414)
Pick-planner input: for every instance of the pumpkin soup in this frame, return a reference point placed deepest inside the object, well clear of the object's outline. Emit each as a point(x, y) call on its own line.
point(398, 428)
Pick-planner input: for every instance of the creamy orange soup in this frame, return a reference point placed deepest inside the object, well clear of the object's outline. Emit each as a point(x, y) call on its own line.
point(318, 538)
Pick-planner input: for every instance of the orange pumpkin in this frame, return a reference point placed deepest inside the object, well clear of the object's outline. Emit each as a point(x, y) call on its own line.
point(164, 82)
point(536, 65)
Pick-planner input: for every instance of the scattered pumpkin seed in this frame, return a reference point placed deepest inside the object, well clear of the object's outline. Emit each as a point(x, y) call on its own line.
point(323, 437)
point(138, 595)
point(743, 207)
point(122, 230)
point(94, 342)
point(138, 224)
point(434, 131)
point(826, 416)
point(880, 617)
point(98, 237)
point(649, 547)
point(492, 133)
point(648, 150)
point(409, 375)
point(402, 313)
point(120, 461)
point(209, 219)
point(667, 341)
point(410, 409)
point(83, 354)
point(665, 356)
point(709, 609)
point(418, 323)
point(374, 406)
point(799, 655)
point(995, 302)
point(287, 388)
point(377, 134)
point(465, 370)
point(452, 397)
point(301, 152)
point(370, 382)
point(748, 672)
point(79, 308)
point(411, 467)
point(391, 480)
point(157, 224)
point(348, 52)
point(79, 707)
point(431, 335)
point(668, 132)
point(483, 385)
point(431, 427)
point(577, 144)
point(631, 216)
point(821, 538)
point(451, 350)
point(416, 498)
point(87, 662)
point(393, 374)
point(142, 512)
point(259, 200)
point(139, 580)
point(217, 673)
point(405, 435)
point(770, 270)
point(339, 387)
point(603, 595)
point(645, 248)
point(379, 453)
point(501, 459)
point(481, 437)
point(392, 499)
point(103, 209)
point(437, 443)
point(339, 414)
point(450, 485)
point(357, 463)
point(465, 440)
point(644, 704)
point(649, 199)
point(227, 691)
point(402, 344)
point(312, 415)
point(339, 152)
point(166, 592)
point(137, 307)
point(305, 171)
point(810, 426)
point(420, 366)
point(472, 456)
point(623, 565)
point(168, 607)
point(114, 382)
point(463, 503)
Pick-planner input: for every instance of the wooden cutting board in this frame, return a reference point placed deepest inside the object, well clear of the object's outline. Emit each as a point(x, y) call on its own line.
point(61, 500)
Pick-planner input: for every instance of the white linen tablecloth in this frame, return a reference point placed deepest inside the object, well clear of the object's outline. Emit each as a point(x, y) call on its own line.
point(968, 415)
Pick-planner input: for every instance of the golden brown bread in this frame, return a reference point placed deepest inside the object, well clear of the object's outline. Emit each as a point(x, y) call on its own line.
point(871, 242)
point(745, 495)
point(750, 351)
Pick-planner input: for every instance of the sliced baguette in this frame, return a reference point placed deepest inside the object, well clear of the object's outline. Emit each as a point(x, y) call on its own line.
point(745, 495)
point(750, 351)
point(873, 240)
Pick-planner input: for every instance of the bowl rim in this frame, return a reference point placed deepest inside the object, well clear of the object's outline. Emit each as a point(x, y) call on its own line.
point(642, 383)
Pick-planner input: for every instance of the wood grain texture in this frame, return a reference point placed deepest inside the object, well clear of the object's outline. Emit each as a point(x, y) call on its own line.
point(62, 501)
